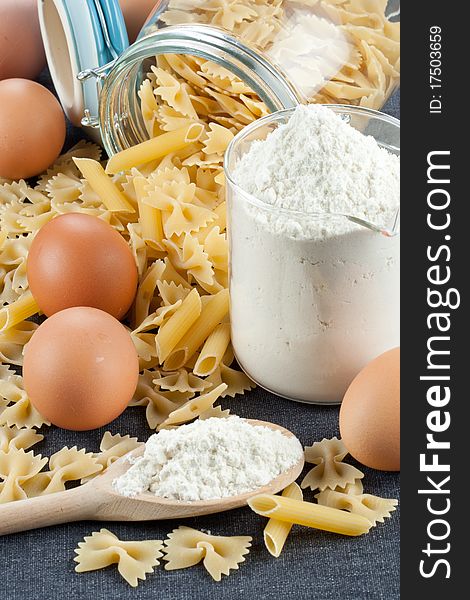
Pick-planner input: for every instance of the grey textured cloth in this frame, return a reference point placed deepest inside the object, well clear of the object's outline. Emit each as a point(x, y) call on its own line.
point(39, 564)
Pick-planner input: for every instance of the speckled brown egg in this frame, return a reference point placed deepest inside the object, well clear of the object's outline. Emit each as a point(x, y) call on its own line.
point(80, 368)
point(79, 260)
point(369, 418)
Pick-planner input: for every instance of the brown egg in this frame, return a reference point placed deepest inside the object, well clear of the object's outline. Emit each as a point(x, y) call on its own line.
point(32, 128)
point(80, 368)
point(79, 260)
point(135, 14)
point(369, 418)
point(21, 47)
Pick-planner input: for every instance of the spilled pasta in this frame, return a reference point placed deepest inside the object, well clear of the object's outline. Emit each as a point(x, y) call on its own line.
point(173, 217)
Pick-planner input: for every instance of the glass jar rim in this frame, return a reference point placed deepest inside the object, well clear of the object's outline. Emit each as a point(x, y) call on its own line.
point(280, 117)
point(207, 41)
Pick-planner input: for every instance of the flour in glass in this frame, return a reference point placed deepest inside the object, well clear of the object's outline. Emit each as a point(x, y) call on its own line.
point(314, 295)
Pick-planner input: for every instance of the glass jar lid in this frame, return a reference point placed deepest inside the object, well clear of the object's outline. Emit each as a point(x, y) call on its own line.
point(81, 37)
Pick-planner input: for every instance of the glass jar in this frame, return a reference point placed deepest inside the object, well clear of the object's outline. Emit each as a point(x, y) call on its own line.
point(120, 118)
point(330, 51)
point(286, 51)
point(308, 311)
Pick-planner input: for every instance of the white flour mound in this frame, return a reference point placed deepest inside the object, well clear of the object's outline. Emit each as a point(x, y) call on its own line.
point(214, 458)
point(317, 162)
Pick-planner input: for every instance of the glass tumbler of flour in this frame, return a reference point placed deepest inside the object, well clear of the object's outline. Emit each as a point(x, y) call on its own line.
point(314, 296)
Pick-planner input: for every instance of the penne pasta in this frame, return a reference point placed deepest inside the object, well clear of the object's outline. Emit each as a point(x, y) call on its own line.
point(211, 315)
point(16, 312)
point(155, 148)
point(178, 324)
point(110, 195)
point(213, 351)
point(150, 218)
point(193, 408)
point(309, 514)
point(276, 532)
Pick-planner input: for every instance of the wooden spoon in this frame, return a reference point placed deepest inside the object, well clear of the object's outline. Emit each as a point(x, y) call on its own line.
point(98, 501)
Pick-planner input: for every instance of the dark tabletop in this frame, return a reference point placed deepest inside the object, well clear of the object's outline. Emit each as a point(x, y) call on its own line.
point(38, 564)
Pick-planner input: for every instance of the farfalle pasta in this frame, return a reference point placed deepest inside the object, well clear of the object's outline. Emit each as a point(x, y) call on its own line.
point(24, 210)
point(193, 408)
point(68, 464)
point(179, 214)
point(13, 254)
point(112, 447)
point(171, 293)
point(135, 559)
point(15, 406)
point(191, 258)
point(158, 404)
point(218, 139)
point(186, 547)
point(354, 488)
point(373, 508)
point(146, 350)
point(17, 468)
point(11, 191)
point(174, 93)
point(64, 188)
point(236, 381)
point(13, 340)
point(12, 437)
point(214, 412)
point(65, 164)
point(182, 381)
point(330, 471)
point(216, 247)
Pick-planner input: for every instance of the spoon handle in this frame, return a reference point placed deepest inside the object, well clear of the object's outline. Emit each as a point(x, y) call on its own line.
point(52, 509)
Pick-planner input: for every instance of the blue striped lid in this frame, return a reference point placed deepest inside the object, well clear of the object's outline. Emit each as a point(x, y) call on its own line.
point(81, 36)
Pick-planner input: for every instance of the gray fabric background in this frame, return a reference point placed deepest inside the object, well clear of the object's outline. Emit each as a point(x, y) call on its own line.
point(314, 565)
